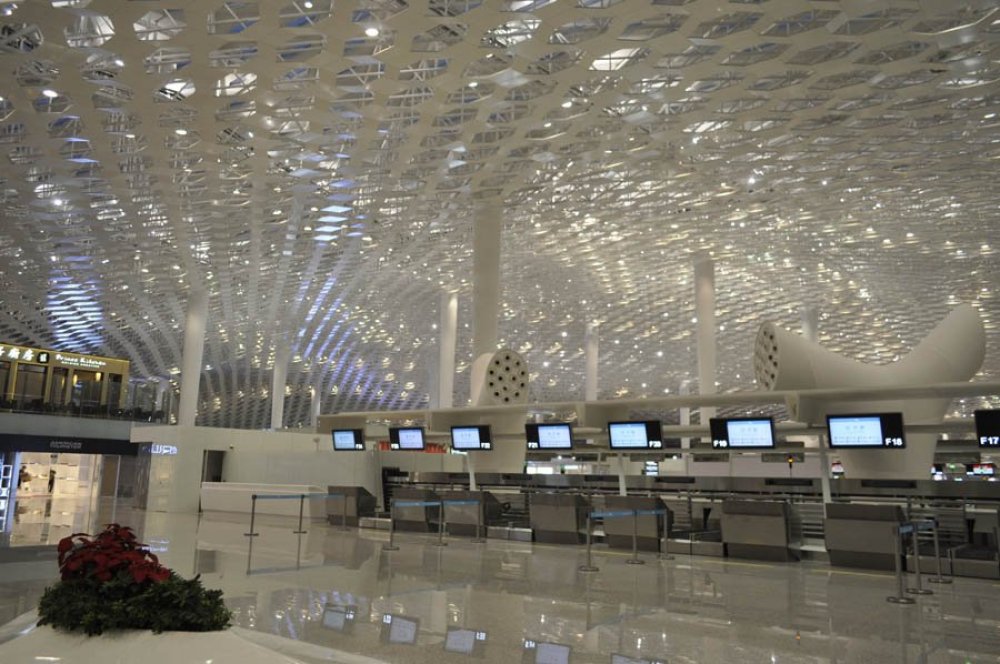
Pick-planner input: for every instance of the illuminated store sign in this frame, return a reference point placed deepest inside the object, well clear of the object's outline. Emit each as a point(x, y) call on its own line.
point(59, 359)
point(165, 450)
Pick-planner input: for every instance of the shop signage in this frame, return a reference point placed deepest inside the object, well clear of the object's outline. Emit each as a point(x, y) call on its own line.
point(39, 356)
point(165, 450)
point(13, 442)
point(24, 354)
point(80, 361)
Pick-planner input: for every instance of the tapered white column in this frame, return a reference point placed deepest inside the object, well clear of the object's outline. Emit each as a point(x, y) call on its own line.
point(279, 378)
point(194, 351)
point(590, 354)
point(810, 323)
point(486, 237)
point(704, 300)
point(316, 405)
point(448, 335)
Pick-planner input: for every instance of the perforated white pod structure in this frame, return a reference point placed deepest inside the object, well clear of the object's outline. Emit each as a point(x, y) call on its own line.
point(952, 352)
point(499, 378)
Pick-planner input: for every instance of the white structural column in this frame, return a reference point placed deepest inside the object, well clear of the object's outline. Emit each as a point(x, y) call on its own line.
point(279, 377)
point(448, 340)
point(810, 323)
point(704, 302)
point(194, 351)
point(486, 237)
point(590, 354)
point(316, 405)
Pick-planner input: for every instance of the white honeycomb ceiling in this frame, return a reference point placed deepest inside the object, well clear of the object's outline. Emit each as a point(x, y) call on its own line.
point(317, 166)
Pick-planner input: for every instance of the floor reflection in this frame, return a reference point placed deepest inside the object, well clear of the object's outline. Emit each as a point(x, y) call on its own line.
point(336, 591)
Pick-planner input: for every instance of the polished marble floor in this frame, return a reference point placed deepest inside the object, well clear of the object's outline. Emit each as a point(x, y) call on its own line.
point(517, 602)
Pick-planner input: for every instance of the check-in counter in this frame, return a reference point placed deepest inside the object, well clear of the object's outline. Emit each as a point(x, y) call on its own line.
point(980, 557)
point(648, 527)
point(861, 535)
point(559, 518)
point(421, 519)
point(462, 519)
point(348, 503)
point(756, 529)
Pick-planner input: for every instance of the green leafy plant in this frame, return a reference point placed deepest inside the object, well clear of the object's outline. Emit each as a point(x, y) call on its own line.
point(111, 581)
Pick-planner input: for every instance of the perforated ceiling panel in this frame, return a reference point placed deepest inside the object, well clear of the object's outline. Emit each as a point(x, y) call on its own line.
point(317, 166)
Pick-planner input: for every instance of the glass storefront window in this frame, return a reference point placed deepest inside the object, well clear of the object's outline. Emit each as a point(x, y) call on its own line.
point(87, 391)
point(4, 377)
point(29, 386)
point(57, 387)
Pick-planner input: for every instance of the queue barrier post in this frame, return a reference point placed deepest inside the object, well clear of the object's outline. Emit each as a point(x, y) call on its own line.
point(253, 515)
point(919, 589)
point(589, 565)
point(343, 512)
point(391, 546)
point(937, 556)
point(635, 559)
point(302, 502)
point(666, 536)
point(900, 596)
point(441, 527)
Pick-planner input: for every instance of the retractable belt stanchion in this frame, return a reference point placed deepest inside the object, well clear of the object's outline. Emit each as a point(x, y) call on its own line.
point(441, 527)
point(635, 560)
point(900, 596)
point(937, 557)
point(481, 533)
point(302, 502)
point(392, 530)
point(666, 536)
point(253, 514)
point(589, 565)
point(919, 589)
point(343, 512)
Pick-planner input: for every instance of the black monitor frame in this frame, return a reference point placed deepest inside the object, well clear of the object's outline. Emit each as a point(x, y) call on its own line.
point(485, 438)
point(534, 426)
point(394, 444)
point(890, 425)
point(988, 429)
point(719, 427)
point(359, 440)
point(654, 432)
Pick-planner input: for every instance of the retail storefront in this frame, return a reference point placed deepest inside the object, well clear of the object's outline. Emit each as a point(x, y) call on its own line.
point(52, 486)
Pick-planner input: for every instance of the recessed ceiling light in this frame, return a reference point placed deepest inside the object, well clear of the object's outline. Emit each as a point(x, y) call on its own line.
point(371, 31)
point(474, 84)
point(181, 132)
point(50, 93)
point(567, 104)
point(307, 4)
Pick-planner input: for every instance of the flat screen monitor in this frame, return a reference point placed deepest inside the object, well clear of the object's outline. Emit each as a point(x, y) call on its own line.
point(406, 438)
point(339, 618)
point(869, 431)
point(540, 652)
point(397, 629)
point(988, 428)
point(646, 435)
point(553, 436)
point(348, 440)
point(744, 433)
point(472, 438)
point(464, 641)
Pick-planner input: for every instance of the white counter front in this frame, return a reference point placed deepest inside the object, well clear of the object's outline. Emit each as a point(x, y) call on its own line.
point(236, 497)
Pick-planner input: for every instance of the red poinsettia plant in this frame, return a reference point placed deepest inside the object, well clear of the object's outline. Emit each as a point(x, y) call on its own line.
point(112, 552)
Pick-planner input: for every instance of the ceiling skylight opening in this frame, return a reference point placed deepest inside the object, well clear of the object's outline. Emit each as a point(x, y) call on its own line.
point(618, 59)
point(372, 31)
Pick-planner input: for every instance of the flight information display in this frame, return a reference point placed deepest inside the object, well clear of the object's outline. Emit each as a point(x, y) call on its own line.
point(540, 652)
point(646, 435)
point(988, 428)
point(397, 629)
point(339, 618)
point(406, 438)
point(742, 433)
point(348, 440)
point(464, 641)
point(555, 436)
point(469, 438)
point(883, 431)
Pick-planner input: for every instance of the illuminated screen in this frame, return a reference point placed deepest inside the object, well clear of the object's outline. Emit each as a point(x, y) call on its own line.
point(471, 438)
point(742, 433)
point(988, 428)
point(396, 629)
point(406, 438)
point(463, 641)
point(549, 436)
point(635, 435)
point(883, 431)
point(547, 653)
point(338, 618)
point(349, 440)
